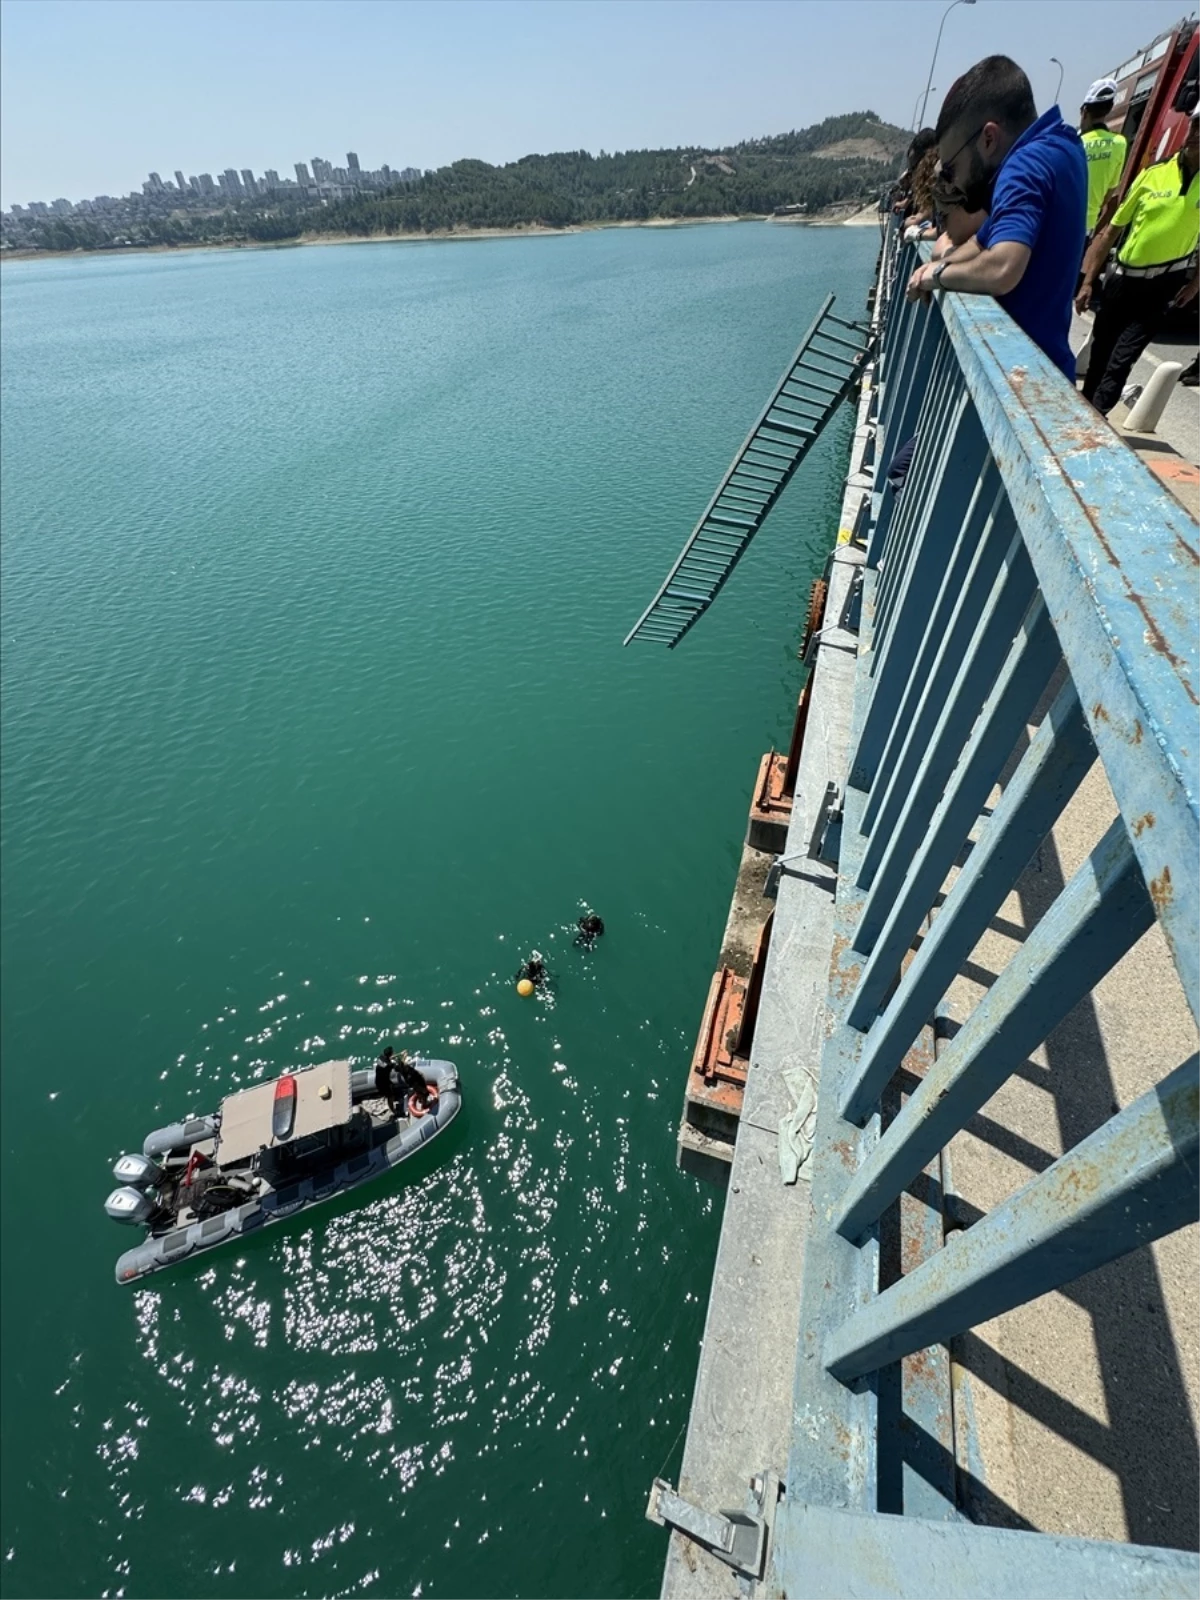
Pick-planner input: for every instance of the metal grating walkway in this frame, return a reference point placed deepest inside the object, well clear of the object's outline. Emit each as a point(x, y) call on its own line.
point(818, 378)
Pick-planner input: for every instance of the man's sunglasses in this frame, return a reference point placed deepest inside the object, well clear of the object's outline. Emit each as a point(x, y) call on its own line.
point(945, 171)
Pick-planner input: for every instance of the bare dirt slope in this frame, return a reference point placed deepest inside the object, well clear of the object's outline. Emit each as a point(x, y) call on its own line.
point(854, 150)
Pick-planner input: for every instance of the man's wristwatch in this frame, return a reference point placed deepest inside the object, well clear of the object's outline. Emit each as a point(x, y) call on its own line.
point(935, 277)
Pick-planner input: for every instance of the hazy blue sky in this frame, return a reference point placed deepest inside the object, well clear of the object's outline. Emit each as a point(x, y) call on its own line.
point(96, 93)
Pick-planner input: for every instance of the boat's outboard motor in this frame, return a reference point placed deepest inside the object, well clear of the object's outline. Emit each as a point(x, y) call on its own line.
point(138, 1171)
point(128, 1204)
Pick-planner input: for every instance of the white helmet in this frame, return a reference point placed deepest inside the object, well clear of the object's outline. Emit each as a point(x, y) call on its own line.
point(1102, 93)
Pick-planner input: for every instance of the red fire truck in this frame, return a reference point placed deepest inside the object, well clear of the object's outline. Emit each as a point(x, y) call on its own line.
point(1156, 93)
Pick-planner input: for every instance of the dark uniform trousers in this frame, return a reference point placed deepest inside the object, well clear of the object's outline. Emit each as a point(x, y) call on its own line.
point(1134, 310)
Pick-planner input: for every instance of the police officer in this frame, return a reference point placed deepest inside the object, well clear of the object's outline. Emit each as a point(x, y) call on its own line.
point(1105, 150)
point(1157, 223)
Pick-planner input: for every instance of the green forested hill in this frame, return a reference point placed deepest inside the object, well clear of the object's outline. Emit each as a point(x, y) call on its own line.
point(844, 158)
point(759, 175)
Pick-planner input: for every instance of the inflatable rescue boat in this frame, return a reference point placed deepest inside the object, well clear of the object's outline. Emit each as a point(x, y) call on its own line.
point(269, 1152)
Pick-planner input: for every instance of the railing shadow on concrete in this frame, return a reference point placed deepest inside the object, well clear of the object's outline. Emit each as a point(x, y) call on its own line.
point(1028, 548)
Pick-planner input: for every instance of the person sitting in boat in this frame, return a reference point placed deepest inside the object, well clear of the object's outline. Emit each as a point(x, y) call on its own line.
point(398, 1081)
point(416, 1090)
point(590, 928)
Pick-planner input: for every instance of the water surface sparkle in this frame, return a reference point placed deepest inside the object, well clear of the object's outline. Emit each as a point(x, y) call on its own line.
point(316, 566)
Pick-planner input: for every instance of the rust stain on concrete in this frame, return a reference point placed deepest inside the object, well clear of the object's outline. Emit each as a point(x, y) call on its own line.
point(1161, 891)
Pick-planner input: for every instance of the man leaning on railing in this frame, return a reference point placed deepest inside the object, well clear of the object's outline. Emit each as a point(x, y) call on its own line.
point(1029, 174)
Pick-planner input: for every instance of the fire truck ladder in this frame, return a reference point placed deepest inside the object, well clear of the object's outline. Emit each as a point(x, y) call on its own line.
point(818, 378)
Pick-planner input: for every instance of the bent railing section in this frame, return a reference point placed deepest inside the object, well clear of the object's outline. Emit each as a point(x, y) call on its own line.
point(1028, 546)
point(817, 379)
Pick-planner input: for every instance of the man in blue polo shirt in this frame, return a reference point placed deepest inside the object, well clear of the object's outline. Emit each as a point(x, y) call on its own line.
point(1029, 173)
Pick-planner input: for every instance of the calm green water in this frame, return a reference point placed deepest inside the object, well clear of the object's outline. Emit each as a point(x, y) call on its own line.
point(316, 566)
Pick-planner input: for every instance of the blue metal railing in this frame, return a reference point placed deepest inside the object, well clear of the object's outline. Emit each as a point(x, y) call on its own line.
point(1028, 547)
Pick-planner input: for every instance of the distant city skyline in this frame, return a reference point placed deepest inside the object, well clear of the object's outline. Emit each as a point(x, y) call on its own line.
point(93, 93)
point(324, 181)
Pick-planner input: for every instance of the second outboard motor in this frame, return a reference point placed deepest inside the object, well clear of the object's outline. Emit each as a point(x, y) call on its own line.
point(130, 1205)
point(138, 1171)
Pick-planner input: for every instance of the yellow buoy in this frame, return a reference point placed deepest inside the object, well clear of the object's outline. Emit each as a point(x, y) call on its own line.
point(525, 988)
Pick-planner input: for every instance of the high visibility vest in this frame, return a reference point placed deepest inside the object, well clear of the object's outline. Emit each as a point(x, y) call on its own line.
point(1105, 152)
point(1162, 216)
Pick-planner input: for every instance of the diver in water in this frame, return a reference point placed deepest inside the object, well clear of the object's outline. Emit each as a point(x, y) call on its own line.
point(534, 970)
point(590, 928)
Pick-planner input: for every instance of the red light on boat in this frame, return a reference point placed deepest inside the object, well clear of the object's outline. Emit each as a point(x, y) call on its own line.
point(283, 1116)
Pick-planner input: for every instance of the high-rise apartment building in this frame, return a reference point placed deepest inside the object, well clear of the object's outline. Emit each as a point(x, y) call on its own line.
point(180, 183)
point(302, 177)
point(270, 180)
point(352, 162)
point(206, 183)
point(248, 183)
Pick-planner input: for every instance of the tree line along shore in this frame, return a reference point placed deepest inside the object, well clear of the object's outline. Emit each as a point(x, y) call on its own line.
point(840, 161)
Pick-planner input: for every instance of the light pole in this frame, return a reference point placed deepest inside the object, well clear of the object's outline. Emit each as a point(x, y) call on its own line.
point(937, 43)
point(914, 121)
point(1054, 61)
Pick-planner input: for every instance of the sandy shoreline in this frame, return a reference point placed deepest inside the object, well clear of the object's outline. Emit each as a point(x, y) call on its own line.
point(833, 217)
point(444, 236)
point(440, 237)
